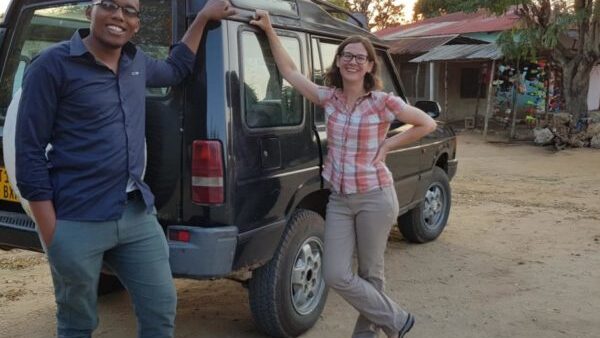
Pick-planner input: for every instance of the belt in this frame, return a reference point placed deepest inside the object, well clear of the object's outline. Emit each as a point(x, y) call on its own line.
point(134, 195)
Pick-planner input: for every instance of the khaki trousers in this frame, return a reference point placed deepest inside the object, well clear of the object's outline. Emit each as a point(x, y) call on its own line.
point(362, 221)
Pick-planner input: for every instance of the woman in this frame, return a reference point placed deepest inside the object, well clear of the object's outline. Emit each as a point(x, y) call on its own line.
point(363, 204)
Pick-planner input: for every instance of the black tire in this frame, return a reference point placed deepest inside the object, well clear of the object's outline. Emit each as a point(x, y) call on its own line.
point(426, 222)
point(287, 304)
point(109, 284)
point(164, 151)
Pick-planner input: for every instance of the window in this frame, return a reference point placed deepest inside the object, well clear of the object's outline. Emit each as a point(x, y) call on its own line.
point(318, 78)
point(3, 8)
point(269, 100)
point(414, 77)
point(39, 30)
point(42, 27)
point(323, 56)
point(328, 50)
point(386, 73)
point(471, 84)
point(317, 70)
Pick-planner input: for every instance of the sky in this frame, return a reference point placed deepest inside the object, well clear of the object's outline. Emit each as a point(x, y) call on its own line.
point(3, 4)
point(408, 9)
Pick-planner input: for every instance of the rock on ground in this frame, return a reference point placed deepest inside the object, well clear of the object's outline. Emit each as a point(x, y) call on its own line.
point(543, 136)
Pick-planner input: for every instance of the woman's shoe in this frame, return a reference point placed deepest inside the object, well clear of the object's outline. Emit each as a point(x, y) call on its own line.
point(410, 321)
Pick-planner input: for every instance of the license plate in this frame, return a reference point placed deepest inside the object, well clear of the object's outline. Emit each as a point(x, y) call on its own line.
point(6, 192)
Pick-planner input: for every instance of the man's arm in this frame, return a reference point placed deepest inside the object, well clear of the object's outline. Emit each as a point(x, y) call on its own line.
point(213, 10)
point(35, 121)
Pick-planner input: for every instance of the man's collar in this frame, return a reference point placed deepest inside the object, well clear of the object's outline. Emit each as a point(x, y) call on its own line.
point(78, 48)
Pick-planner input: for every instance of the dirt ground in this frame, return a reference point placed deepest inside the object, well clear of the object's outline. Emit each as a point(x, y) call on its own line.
point(520, 258)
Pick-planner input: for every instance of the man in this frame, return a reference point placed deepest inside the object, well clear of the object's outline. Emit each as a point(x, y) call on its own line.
point(86, 98)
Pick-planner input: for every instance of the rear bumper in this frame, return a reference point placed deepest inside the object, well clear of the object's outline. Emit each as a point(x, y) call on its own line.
point(452, 167)
point(209, 253)
point(18, 231)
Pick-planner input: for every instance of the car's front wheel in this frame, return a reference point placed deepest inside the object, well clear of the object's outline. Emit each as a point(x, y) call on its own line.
point(288, 294)
point(427, 220)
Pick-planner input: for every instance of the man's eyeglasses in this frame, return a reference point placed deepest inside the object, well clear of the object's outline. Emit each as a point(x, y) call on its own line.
point(112, 7)
point(360, 58)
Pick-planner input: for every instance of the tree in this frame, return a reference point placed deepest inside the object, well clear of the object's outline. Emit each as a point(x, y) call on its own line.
point(567, 31)
point(379, 14)
point(431, 8)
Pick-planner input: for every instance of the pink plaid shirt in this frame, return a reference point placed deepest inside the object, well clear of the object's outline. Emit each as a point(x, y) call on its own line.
point(353, 138)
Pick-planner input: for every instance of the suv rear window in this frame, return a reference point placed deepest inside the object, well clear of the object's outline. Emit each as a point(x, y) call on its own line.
point(269, 100)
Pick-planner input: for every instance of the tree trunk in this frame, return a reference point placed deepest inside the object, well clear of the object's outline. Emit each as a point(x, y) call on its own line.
point(576, 83)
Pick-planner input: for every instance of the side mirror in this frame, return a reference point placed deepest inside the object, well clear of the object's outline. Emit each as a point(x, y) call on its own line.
point(432, 108)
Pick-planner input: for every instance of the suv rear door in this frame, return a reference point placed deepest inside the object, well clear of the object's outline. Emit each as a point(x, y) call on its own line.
point(276, 153)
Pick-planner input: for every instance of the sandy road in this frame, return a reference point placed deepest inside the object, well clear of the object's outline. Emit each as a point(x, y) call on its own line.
point(520, 258)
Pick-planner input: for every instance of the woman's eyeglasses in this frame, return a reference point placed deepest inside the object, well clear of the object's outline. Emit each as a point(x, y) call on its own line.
point(112, 7)
point(360, 58)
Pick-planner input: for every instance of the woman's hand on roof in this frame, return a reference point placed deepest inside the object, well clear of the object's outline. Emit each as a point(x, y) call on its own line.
point(262, 20)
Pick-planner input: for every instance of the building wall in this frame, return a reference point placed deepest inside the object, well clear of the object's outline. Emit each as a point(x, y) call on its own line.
point(458, 108)
point(593, 100)
point(415, 88)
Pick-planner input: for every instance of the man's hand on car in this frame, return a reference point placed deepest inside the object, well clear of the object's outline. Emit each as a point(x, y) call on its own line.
point(217, 10)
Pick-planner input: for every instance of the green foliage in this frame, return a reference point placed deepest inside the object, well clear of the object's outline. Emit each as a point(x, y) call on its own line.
point(379, 13)
point(544, 23)
point(340, 3)
point(431, 8)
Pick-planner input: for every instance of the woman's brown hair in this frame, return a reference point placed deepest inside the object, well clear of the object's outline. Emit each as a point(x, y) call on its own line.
point(333, 78)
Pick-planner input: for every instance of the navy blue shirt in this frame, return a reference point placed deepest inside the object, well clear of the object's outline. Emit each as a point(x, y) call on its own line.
point(94, 121)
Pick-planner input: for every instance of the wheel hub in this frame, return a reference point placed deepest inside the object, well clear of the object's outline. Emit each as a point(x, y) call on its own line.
point(434, 206)
point(306, 279)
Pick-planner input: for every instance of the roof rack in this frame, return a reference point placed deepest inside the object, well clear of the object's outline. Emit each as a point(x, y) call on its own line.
point(331, 8)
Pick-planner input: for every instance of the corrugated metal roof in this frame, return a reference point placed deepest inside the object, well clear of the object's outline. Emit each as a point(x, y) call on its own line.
point(461, 52)
point(419, 45)
point(454, 23)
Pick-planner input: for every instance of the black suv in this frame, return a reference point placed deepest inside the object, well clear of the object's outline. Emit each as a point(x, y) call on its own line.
point(235, 153)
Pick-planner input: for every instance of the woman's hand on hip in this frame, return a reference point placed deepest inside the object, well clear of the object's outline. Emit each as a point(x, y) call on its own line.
point(381, 153)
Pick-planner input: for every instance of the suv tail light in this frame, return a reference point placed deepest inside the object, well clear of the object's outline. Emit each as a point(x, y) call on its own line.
point(207, 172)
